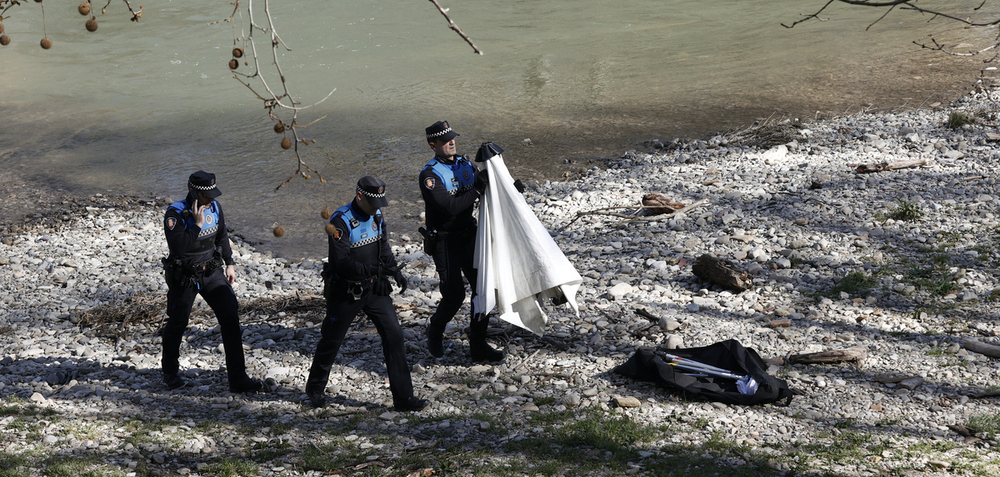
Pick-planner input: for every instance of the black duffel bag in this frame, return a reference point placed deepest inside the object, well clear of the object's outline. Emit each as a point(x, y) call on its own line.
point(649, 365)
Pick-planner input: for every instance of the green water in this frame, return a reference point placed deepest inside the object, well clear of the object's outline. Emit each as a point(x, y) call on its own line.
point(135, 107)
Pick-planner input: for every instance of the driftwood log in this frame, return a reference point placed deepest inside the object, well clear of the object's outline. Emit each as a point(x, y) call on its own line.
point(857, 354)
point(886, 166)
point(719, 271)
point(635, 217)
point(656, 204)
point(977, 346)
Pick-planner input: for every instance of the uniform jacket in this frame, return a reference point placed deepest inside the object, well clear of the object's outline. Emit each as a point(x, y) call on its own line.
point(359, 243)
point(191, 244)
point(449, 195)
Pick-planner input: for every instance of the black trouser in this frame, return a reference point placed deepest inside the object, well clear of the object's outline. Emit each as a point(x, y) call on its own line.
point(217, 292)
point(341, 309)
point(453, 258)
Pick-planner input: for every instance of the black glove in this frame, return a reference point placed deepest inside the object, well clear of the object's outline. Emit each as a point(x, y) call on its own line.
point(487, 150)
point(387, 270)
point(381, 286)
point(482, 181)
point(400, 282)
point(519, 186)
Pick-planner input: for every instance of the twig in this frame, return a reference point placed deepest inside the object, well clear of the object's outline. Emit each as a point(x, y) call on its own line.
point(636, 218)
point(453, 26)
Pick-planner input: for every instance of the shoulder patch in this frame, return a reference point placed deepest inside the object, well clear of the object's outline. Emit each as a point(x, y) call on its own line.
point(171, 222)
point(429, 183)
point(337, 233)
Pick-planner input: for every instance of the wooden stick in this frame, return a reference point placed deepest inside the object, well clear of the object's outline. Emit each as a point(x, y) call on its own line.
point(453, 26)
point(636, 218)
point(977, 346)
point(885, 166)
point(856, 353)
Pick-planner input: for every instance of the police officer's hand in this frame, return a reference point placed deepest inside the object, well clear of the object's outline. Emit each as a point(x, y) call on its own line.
point(381, 286)
point(230, 274)
point(198, 212)
point(387, 270)
point(482, 181)
point(400, 282)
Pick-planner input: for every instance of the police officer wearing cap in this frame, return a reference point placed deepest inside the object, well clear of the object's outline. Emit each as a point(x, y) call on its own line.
point(200, 262)
point(357, 278)
point(450, 185)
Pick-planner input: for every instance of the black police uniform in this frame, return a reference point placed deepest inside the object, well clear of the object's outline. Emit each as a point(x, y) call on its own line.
point(360, 256)
point(449, 193)
point(196, 265)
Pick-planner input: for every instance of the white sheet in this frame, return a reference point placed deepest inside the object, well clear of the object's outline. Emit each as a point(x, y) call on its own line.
point(520, 265)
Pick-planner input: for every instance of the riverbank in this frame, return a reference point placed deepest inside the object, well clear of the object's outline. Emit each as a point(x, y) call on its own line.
point(899, 263)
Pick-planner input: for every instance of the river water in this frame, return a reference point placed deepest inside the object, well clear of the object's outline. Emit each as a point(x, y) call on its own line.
point(137, 106)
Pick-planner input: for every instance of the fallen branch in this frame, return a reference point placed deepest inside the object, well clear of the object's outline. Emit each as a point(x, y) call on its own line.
point(720, 271)
point(453, 26)
point(886, 166)
point(977, 346)
point(632, 217)
point(857, 353)
point(986, 394)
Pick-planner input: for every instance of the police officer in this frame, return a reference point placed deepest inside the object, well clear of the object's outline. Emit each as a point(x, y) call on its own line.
point(201, 262)
point(450, 185)
point(357, 279)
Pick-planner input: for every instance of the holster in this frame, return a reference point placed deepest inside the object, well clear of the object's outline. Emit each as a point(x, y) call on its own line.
point(177, 273)
point(351, 290)
point(431, 239)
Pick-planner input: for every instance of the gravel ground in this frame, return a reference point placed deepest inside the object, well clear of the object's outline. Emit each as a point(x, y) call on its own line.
point(898, 264)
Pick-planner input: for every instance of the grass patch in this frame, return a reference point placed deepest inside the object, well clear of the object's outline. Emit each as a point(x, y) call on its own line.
point(71, 466)
point(231, 468)
point(855, 283)
point(957, 119)
point(13, 465)
point(541, 401)
point(906, 211)
point(988, 424)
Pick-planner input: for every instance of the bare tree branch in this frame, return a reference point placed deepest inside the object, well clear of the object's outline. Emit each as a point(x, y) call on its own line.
point(453, 26)
point(911, 5)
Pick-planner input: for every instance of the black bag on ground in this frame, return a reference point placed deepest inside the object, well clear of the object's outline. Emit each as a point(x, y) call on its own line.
point(648, 365)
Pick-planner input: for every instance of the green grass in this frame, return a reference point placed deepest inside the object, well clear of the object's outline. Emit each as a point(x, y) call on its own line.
point(985, 423)
point(231, 468)
point(855, 283)
point(72, 466)
point(957, 119)
point(906, 211)
point(13, 465)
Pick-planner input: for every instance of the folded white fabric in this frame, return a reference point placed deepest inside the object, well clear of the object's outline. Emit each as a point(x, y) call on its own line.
point(520, 265)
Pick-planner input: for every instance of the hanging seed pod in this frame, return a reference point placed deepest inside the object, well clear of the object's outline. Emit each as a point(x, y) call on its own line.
point(4, 40)
point(330, 229)
point(286, 143)
point(1, 27)
point(84, 8)
point(326, 213)
point(92, 24)
point(237, 52)
point(233, 64)
point(279, 231)
point(46, 43)
point(279, 128)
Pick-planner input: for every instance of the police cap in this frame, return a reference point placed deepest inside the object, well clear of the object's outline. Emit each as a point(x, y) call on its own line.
point(204, 182)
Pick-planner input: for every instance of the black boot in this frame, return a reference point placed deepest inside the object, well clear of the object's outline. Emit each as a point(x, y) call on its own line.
point(478, 347)
point(435, 339)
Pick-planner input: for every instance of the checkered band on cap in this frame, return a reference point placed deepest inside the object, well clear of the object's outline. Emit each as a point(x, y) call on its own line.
point(374, 195)
point(200, 187)
point(439, 133)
